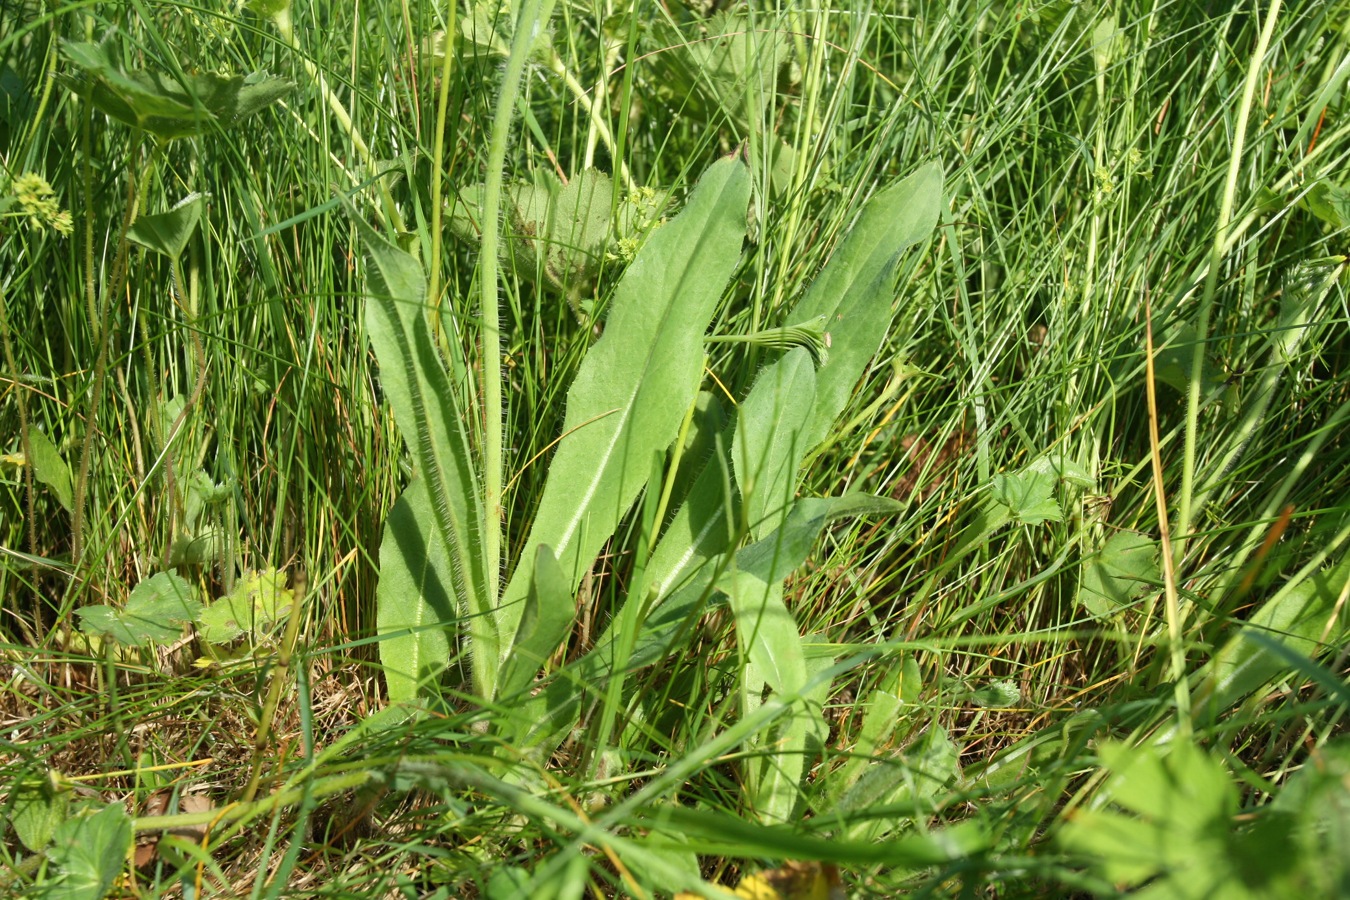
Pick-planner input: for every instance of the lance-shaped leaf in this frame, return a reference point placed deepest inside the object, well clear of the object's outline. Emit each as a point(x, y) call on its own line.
point(545, 719)
point(635, 384)
point(548, 613)
point(770, 439)
point(448, 520)
point(854, 291)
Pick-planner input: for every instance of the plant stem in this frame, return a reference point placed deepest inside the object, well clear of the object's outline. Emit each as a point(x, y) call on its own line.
point(278, 679)
point(284, 24)
point(1184, 512)
point(437, 168)
point(532, 14)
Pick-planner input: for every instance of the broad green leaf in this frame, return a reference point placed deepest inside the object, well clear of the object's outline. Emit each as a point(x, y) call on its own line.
point(547, 717)
point(1000, 693)
point(1028, 495)
point(1125, 567)
point(37, 809)
point(258, 601)
point(168, 232)
point(1314, 807)
point(426, 408)
point(155, 613)
point(1329, 202)
point(50, 469)
point(1297, 618)
point(548, 613)
point(768, 636)
point(88, 852)
point(738, 64)
point(579, 226)
point(770, 439)
point(881, 715)
point(162, 104)
point(632, 390)
point(855, 289)
point(1062, 468)
point(1173, 827)
point(417, 604)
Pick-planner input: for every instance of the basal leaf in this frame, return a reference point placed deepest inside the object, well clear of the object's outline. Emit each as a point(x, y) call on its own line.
point(855, 289)
point(633, 388)
point(1297, 618)
point(445, 498)
point(770, 440)
point(37, 808)
point(548, 613)
point(88, 852)
point(912, 777)
point(416, 600)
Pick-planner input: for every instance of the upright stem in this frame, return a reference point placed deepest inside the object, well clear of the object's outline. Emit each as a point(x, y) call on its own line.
point(533, 13)
point(284, 24)
point(437, 166)
point(1184, 512)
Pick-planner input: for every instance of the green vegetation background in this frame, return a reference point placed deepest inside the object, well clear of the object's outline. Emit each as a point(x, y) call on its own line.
point(1094, 180)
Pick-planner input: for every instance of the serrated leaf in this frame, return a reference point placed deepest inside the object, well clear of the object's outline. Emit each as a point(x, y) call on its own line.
point(50, 469)
point(37, 809)
point(258, 601)
point(155, 613)
point(579, 226)
point(164, 105)
point(1126, 565)
point(88, 852)
point(1028, 496)
point(1172, 822)
point(167, 233)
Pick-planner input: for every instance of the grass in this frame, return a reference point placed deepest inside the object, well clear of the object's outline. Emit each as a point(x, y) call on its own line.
point(1086, 180)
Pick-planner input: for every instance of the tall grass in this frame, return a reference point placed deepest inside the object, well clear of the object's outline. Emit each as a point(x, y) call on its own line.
point(1086, 172)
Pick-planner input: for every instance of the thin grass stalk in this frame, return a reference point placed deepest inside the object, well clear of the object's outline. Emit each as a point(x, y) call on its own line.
point(1184, 504)
point(1180, 687)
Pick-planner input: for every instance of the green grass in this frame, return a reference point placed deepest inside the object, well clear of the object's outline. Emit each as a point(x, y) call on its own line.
point(1084, 190)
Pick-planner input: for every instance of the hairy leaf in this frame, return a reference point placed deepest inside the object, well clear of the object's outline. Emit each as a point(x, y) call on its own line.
point(429, 556)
